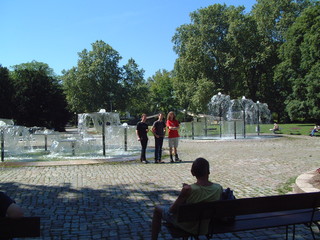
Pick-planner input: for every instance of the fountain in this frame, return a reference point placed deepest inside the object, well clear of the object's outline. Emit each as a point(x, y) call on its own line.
point(99, 135)
point(228, 119)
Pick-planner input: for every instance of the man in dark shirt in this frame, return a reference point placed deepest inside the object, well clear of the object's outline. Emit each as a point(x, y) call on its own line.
point(159, 131)
point(142, 131)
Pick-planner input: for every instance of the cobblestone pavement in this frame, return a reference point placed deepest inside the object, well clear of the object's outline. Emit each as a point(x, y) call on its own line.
point(115, 200)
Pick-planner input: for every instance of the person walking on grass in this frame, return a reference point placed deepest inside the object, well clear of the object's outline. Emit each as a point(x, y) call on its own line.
point(159, 131)
point(173, 136)
point(142, 131)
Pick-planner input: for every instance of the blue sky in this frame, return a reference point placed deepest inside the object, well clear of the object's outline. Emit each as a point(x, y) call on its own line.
point(54, 31)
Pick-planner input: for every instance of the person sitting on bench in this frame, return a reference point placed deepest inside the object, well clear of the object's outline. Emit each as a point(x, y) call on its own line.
point(201, 191)
point(8, 207)
point(275, 128)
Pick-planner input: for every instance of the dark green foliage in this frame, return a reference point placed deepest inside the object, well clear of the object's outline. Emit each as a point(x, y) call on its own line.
point(38, 99)
point(95, 83)
point(134, 89)
point(223, 49)
point(6, 93)
point(161, 98)
point(301, 66)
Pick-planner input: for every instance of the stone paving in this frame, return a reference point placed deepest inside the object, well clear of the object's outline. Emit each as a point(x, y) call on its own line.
point(115, 200)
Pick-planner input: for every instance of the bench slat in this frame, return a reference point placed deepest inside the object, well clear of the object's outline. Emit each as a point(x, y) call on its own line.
point(254, 213)
point(267, 220)
point(245, 206)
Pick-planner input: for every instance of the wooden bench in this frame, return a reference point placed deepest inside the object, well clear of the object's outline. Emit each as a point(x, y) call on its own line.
point(277, 131)
point(295, 131)
point(251, 213)
point(19, 227)
point(209, 130)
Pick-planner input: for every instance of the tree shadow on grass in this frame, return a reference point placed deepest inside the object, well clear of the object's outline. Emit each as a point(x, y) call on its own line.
point(113, 212)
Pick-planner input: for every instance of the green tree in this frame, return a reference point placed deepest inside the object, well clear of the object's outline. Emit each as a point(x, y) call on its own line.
point(219, 51)
point(274, 18)
point(36, 66)
point(246, 61)
point(162, 96)
point(95, 82)
point(38, 98)
point(134, 89)
point(6, 94)
point(300, 66)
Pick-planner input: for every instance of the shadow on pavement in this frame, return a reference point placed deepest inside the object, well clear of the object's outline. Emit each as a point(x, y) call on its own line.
point(113, 212)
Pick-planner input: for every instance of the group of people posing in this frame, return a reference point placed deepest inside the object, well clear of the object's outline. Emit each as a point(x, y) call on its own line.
point(159, 129)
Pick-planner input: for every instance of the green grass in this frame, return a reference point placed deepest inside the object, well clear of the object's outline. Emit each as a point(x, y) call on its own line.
point(287, 186)
point(292, 128)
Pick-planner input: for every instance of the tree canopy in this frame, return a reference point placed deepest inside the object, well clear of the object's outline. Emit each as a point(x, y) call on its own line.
point(220, 50)
point(134, 89)
point(95, 82)
point(224, 49)
point(162, 98)
point(6, 94)
point(38, 98)
point(98, 82)
point(300, 66)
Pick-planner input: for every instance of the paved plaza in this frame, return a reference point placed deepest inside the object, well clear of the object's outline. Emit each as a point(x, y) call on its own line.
point(116, 200)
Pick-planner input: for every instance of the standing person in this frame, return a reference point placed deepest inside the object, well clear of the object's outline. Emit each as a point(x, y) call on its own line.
point(202, 190)
point(173, 135)
point(159, 131)
point(142, 131)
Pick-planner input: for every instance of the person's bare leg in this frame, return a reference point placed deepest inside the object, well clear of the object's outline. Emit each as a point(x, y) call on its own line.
point(171, 154)
point(176, 157)
point(156, 222)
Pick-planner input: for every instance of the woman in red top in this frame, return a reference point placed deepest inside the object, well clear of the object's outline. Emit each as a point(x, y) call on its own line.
point(173, 135)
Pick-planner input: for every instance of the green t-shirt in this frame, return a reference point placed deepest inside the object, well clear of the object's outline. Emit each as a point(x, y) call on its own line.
point(200, 194)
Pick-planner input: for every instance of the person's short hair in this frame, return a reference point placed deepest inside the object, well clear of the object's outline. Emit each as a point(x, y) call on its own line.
point(200, 167)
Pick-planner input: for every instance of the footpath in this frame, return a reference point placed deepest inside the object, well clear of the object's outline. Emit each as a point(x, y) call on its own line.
point(116, 200)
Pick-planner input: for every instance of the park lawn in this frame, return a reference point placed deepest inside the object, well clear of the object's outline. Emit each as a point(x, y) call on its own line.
point(292, 128)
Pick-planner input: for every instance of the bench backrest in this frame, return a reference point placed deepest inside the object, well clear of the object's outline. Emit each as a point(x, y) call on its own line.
point(19, 227)
point(244, 206)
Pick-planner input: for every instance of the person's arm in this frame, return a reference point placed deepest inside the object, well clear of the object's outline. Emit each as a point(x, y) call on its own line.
point(154, 131)
point(178, 126)
point(137, 132)
point(183, 196)
point(167, 125)
point(175, 126)
point(164, 130)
